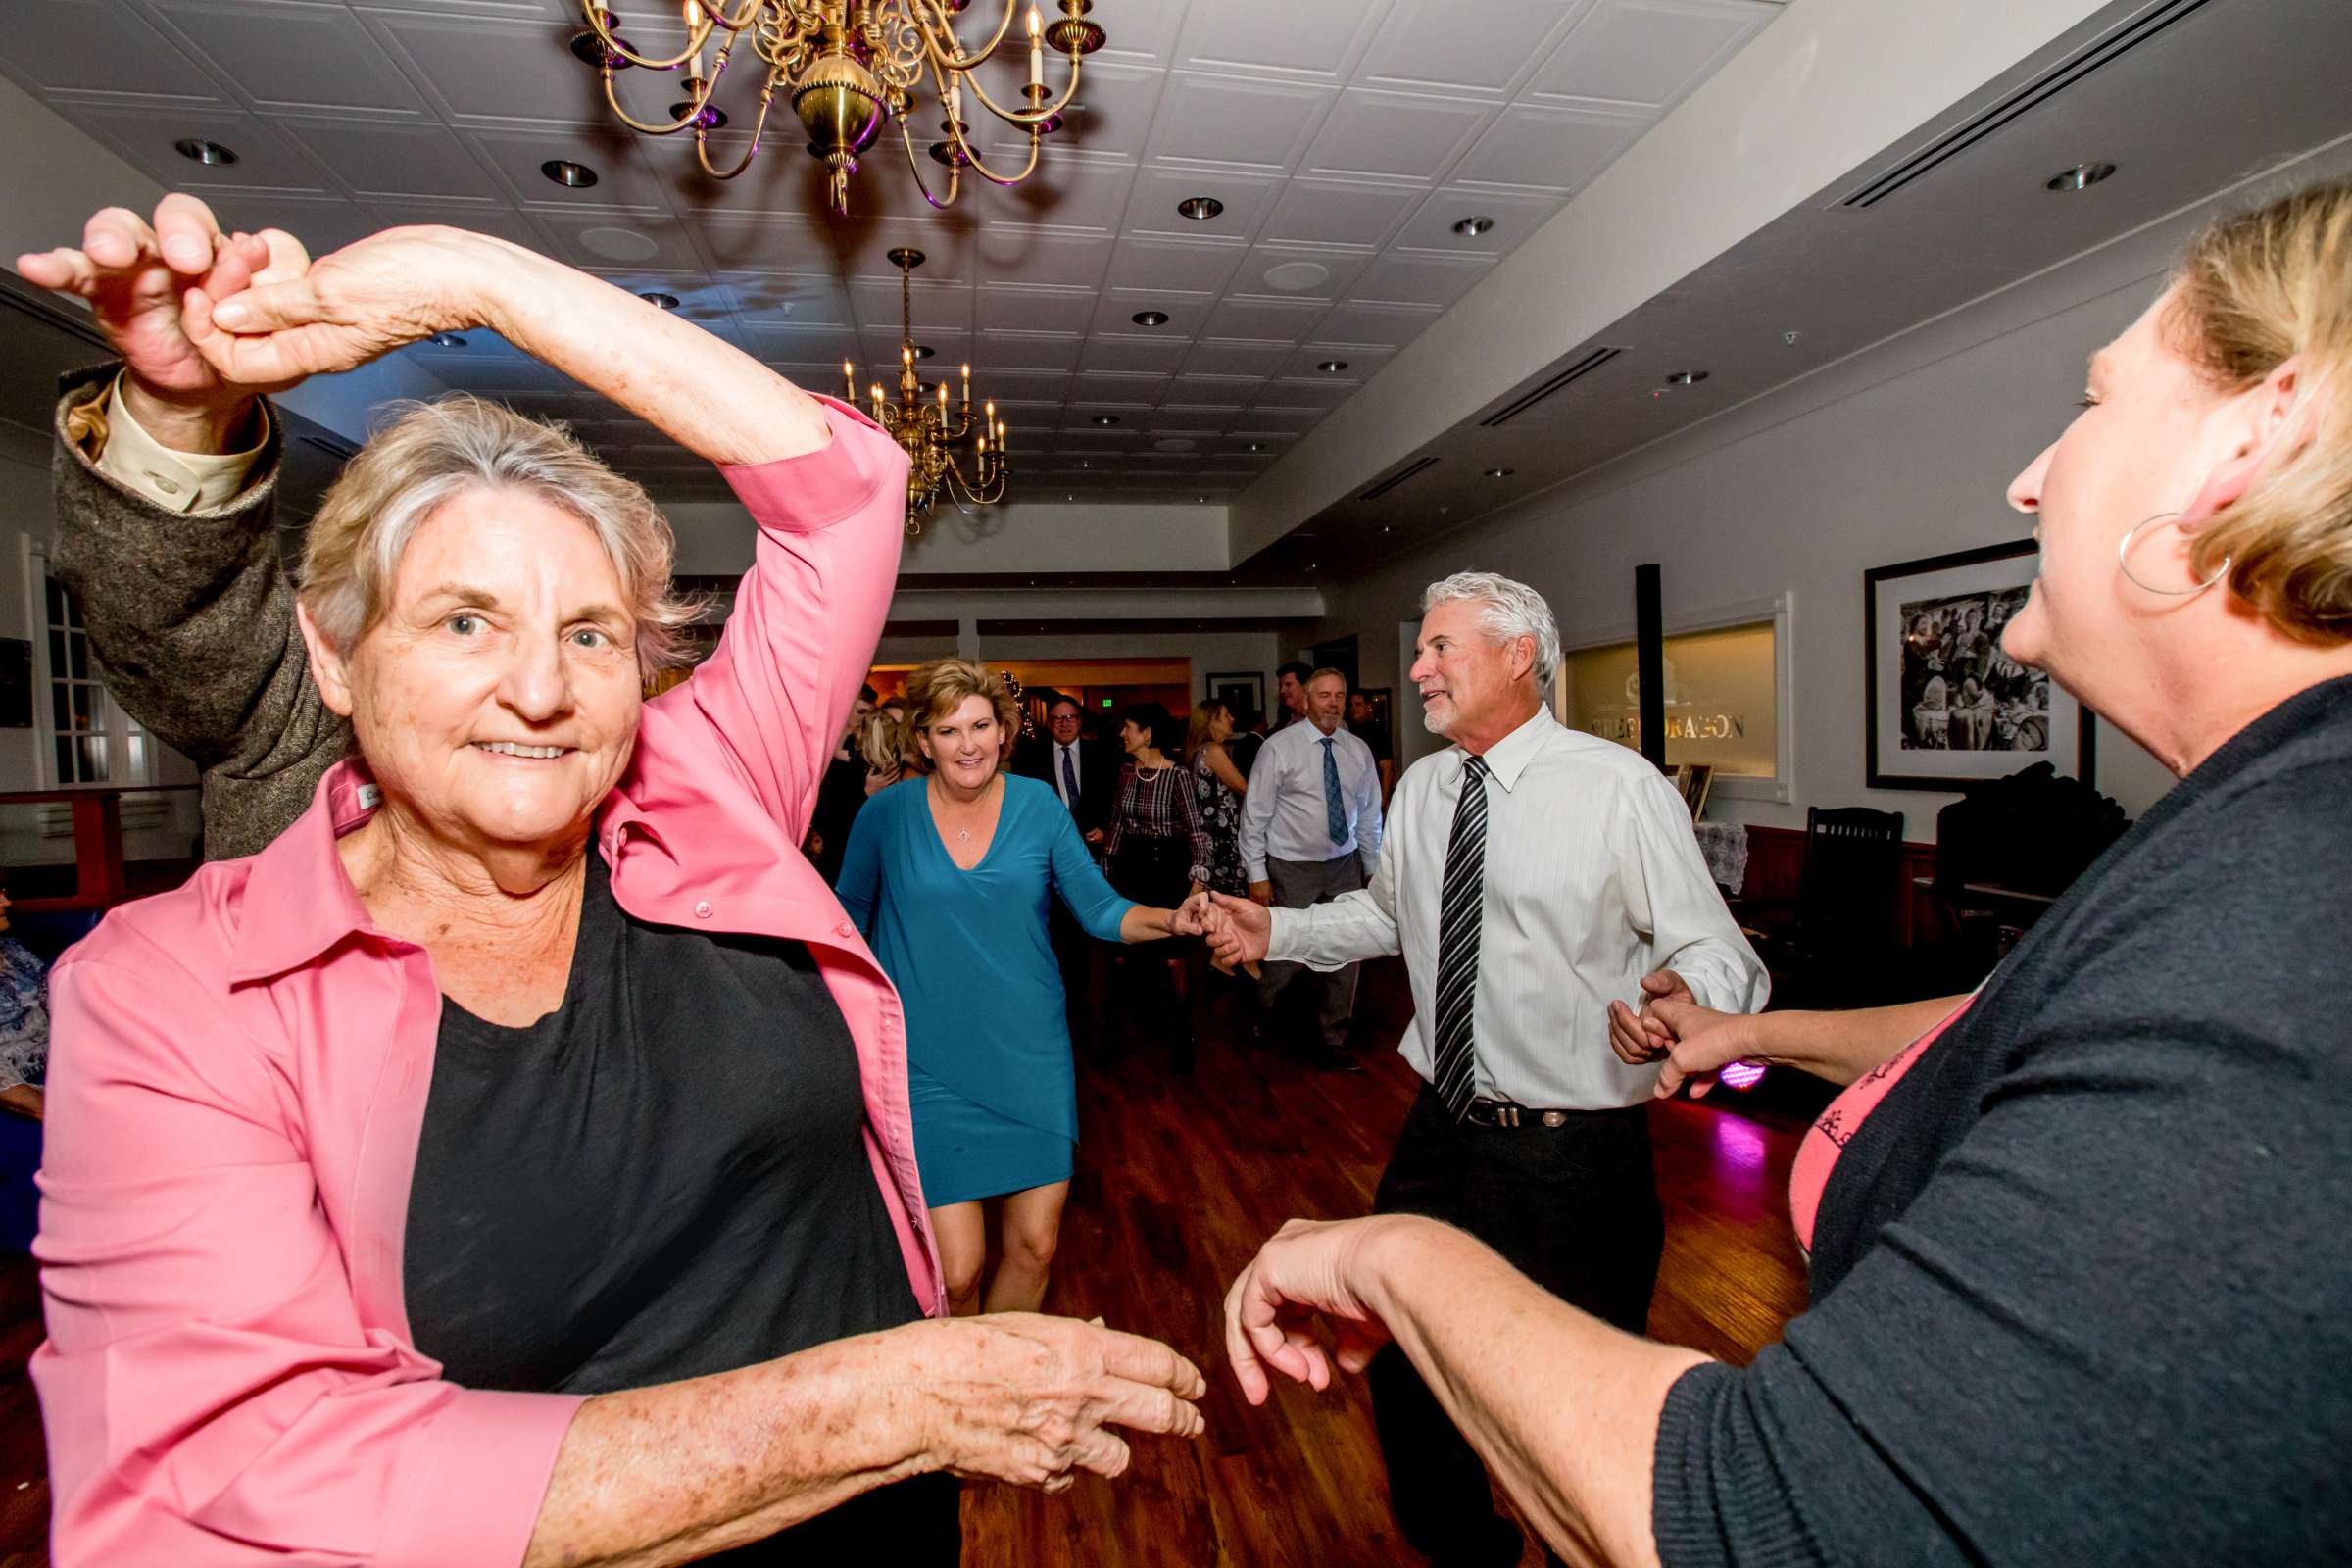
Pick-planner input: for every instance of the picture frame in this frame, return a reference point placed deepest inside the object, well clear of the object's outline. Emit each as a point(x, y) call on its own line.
point(1243, 691)
point(1946, 705)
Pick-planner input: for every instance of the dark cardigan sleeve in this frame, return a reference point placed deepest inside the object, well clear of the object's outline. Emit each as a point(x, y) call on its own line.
point(2109, 1326)
point(193, 619)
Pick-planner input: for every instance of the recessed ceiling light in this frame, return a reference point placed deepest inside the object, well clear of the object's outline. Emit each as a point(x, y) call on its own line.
point(1150, 317)
point(1332, 367)
point(446, 340)
point(209, 153)
point(1106, 418)
point(1501, 474)
point(568, 175)
point(924, 351)
point(1472, 227)
point(2079, 177)
point(658, 300)
point(1686, 377)
point(1199, 209)
point(1258, 446)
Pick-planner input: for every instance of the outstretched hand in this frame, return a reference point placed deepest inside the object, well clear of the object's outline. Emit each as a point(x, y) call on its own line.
point(144, 282)
point(1308, 1270)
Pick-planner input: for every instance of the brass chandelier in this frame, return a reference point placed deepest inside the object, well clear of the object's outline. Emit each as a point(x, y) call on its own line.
point(929, 429)
point(849, 67)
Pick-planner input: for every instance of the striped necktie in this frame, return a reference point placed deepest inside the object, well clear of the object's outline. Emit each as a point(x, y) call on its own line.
point(1458, 913)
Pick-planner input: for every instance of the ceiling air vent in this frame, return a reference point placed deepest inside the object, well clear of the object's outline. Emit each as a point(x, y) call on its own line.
point(1397, 478)
point(2104, 50)
point(1535, 395)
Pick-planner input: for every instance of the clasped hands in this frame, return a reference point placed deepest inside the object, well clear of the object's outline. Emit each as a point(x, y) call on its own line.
point(1236, 930)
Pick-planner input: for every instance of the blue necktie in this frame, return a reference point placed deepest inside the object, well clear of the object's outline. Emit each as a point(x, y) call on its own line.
point(1335, 808)
point(1069, 780)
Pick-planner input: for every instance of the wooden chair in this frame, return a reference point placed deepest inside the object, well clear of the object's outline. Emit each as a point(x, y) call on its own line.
point(1833, 945)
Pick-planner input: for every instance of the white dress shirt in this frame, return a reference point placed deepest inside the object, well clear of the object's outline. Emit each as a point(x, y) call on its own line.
point(1077, 771)
point(1284, 815)
point(1593, 878)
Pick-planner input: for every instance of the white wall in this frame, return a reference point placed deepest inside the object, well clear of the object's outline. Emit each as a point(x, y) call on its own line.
point(1900, 451)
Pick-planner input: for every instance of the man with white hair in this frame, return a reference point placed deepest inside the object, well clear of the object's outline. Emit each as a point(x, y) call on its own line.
point(1530, 875)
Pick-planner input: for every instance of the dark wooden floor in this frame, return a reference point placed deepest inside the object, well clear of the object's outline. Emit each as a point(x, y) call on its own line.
point(1178, 1181)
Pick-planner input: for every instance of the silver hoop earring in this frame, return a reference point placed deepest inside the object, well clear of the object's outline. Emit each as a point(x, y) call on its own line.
point(2123, 559)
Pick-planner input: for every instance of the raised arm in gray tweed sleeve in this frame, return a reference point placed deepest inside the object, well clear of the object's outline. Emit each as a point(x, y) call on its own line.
point(193, 619)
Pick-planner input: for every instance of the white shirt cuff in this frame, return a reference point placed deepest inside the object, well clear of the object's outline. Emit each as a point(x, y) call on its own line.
point(178, 481)
point(1285, 926)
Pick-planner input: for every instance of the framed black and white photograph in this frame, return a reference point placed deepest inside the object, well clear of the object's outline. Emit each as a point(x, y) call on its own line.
point(1947, 706)
point(1244, 693)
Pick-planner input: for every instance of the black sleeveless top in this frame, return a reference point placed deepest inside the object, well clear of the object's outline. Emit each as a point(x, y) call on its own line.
point(663, 1178)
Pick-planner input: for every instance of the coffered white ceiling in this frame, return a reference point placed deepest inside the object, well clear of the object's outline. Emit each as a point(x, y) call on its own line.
point(1345, 138)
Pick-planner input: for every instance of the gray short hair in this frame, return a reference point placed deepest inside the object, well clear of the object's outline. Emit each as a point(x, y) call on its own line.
point(434, 451)
point(1513, 610)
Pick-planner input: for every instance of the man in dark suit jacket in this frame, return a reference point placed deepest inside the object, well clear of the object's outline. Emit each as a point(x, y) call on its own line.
point(1066, 754)
point(1063, 753)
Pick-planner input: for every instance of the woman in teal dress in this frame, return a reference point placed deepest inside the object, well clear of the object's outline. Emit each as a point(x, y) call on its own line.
point(949, 877)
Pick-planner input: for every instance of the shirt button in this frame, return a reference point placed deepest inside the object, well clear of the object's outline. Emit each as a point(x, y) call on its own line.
point(701, 910)
point(845, 930)
point(163, 485)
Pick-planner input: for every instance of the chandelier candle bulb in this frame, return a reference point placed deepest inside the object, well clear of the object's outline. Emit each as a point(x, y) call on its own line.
point(1037, 52)
point(968, 389)
point(849, 376)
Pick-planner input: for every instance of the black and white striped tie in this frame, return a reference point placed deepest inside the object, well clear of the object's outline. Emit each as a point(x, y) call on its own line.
point(1457, 941)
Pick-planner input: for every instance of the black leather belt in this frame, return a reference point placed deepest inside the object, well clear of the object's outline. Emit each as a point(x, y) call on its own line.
point(1485, 1113)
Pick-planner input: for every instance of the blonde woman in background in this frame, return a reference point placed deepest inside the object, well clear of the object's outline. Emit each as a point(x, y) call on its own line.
point(949, 877)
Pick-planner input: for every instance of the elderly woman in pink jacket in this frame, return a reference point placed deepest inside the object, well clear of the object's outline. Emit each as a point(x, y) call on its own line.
point(512, 1163)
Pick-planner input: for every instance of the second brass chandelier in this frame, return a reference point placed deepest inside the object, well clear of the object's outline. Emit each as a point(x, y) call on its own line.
point(929, 430)
point(850, 67)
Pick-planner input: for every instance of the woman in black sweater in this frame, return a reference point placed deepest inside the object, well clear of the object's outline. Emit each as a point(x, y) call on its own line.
point(2078, 1256)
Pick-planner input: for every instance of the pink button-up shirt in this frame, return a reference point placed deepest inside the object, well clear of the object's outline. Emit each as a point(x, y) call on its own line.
point(240, 1083)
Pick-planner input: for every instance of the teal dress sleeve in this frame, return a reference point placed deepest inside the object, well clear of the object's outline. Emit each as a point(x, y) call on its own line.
point(1083, 888)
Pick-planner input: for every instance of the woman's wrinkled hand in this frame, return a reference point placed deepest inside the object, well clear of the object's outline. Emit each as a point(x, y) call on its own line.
point(1033, 1400)
point(1310, 1269)
point(349, 307)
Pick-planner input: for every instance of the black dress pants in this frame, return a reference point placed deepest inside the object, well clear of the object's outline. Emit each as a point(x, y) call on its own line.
point(1576, 1209)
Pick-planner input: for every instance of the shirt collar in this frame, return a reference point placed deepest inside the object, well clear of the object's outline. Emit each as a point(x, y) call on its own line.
point(1508, 756)
point(298, 900)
